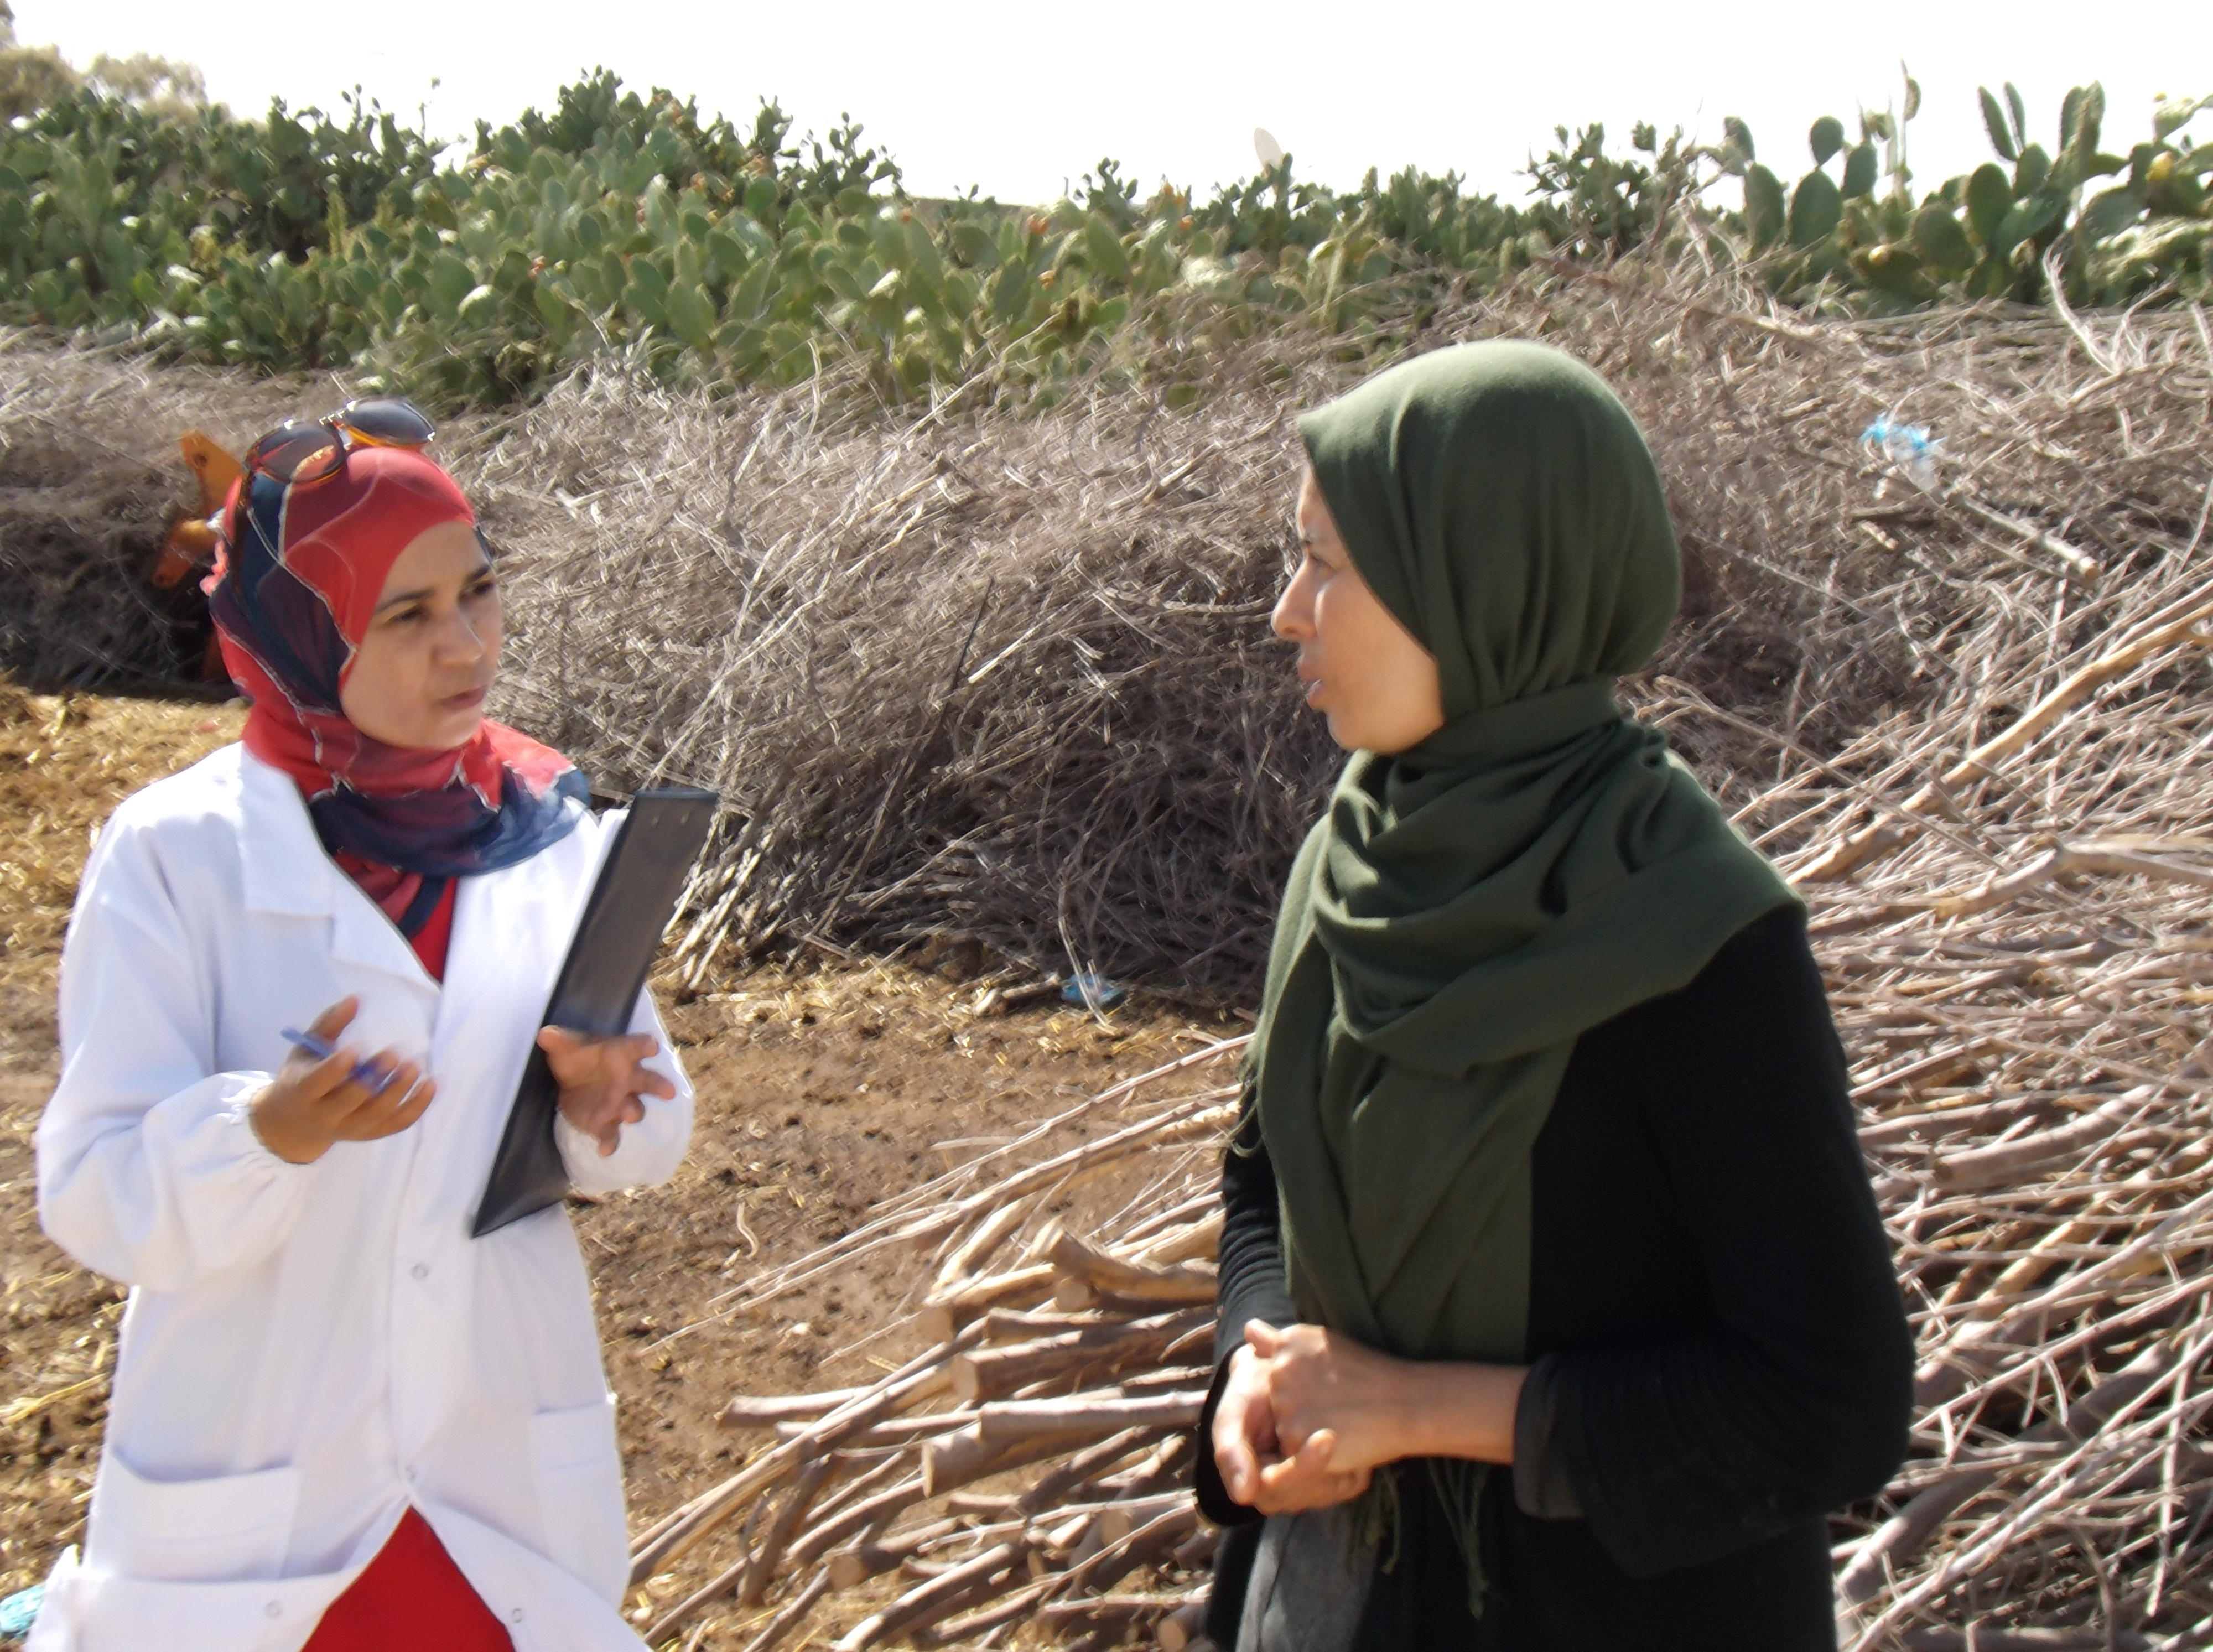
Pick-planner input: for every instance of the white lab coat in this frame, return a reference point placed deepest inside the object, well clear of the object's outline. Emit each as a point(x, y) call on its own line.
point(308, 1348)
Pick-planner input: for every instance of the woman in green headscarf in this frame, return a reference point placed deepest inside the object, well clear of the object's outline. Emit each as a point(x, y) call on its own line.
point(1556, 1314)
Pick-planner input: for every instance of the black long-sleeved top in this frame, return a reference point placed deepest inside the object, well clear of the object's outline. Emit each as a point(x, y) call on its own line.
point(1720, 1356)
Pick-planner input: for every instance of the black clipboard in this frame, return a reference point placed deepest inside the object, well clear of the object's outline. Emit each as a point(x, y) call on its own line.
point(630, 904)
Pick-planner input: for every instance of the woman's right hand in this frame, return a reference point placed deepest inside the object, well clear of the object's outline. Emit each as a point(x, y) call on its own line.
point(312, 1104)
point(1247, 1450)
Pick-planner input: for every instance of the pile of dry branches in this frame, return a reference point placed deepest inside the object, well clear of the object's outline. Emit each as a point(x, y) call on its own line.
point(2008, 871)
point(2019, 953)
point(2010, 889)
point(1036, 1346)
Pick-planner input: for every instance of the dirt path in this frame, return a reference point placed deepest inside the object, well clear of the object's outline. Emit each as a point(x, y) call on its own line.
point(820, 1093)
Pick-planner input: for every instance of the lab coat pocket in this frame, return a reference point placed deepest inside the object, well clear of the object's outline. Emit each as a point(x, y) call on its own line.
point(579, 1496)
point(229, 1529)
point(130, 1614)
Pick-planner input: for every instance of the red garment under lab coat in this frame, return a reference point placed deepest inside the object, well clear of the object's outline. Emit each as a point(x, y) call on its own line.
point(412, 1595)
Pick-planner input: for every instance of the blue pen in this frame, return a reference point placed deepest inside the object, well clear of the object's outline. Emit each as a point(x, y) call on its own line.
point(364, 1072)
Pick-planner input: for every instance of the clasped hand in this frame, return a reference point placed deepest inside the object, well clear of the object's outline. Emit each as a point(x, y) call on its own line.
point(1307, 1415)
point(1305, 1418)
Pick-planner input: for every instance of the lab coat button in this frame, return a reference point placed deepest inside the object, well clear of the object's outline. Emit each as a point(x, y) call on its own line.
point(421, 1270)
point(515, 1616)
point(274, 1609)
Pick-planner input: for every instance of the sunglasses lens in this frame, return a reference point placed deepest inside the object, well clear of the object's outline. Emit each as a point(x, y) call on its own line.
point(389, 421)
point(296, 453)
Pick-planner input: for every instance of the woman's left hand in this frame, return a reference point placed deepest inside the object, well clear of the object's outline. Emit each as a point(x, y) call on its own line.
point(603, 1080)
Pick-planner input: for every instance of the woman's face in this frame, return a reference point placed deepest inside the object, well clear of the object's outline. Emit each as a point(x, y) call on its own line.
point(1363, 670)
point(419, 677)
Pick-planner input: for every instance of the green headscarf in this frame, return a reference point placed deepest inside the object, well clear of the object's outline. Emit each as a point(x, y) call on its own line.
point(1467, 909)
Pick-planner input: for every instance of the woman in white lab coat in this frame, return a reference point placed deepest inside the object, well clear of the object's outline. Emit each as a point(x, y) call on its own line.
point(338, 1423)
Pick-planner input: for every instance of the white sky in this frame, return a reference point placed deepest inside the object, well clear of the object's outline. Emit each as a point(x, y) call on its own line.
point(1022, 98)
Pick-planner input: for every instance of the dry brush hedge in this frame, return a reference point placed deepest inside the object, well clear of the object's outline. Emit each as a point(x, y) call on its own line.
point(90, 475)
point(1010, 678)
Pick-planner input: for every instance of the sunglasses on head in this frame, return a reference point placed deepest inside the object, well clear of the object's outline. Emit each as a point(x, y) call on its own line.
point(303, 452)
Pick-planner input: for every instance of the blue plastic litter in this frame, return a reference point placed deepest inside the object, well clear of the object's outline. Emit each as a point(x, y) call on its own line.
point(19, 1611)
point(1096, 990)
point(1912, 452)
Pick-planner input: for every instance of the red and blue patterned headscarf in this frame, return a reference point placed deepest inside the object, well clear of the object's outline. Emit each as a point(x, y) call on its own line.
point(296, 584)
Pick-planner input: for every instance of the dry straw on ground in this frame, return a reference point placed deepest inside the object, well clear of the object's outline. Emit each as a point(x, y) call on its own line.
point(1009, 679)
